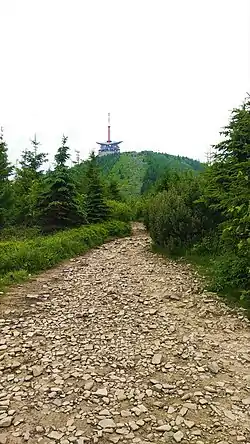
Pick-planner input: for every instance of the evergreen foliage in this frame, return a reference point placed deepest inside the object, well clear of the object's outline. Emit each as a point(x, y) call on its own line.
point(27, 185)
point(63, 153)
point(119, 211)
point(113, 190)
point(5, 187)
point(96, 208)
point(135, 173)
point(209, 214)
point(59, 205)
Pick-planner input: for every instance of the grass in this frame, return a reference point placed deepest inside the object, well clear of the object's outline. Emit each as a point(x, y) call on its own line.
point(207, 267)
point(21, 259)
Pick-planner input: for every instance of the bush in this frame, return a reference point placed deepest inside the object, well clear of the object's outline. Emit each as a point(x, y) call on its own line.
point(230, 272)
point(119, 211)
point(21, 258)
point(171, 223)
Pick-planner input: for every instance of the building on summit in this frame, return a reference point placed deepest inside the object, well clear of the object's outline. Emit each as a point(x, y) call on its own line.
point(108, 147)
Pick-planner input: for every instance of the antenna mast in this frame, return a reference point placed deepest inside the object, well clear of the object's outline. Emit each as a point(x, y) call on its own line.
point(77, 156)
point(209, 156)
point(109, 128)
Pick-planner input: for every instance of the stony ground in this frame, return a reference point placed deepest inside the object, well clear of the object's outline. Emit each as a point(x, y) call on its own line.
point(122, 346)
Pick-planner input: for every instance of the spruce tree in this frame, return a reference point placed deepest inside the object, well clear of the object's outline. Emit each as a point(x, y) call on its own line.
point(97, 210)
point(63, 153)
point(59, 204)
point(228, 193)
point(5, 188)
point(113, 190)
point(31, 161)
point(26, 185)
point(228, 177)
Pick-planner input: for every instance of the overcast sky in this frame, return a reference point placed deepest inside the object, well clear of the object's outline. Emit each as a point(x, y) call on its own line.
point(169, 71)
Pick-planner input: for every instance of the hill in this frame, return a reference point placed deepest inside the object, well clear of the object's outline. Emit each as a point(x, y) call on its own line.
point(136, 172)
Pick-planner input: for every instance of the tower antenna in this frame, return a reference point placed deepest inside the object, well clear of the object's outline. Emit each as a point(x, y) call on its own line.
point(77, 156)
point(109, 128)
point(209, 156)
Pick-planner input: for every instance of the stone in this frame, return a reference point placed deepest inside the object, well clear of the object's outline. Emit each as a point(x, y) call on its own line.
point(55, 435)
point(107, 423)
point(3, 438)
point(178, 436)
point(113, 438)
point(125, 413)
point(183, 411)
point(157, 358)
point(76, 364)
point(203, 401)
point(163, 428)
point(188, 423)
point(39, 429)
point(101, 392)
point(179, 420)
point(240, 438)
point(26, 435)
point(6, 422)
point(246, 401)
point(213, 367)
point(122, 431)
point(15, 364)
point(133, 425)
point(88, 385)
point(104, 412)
point(120, 394)
point(229, 414)
point(37, 370)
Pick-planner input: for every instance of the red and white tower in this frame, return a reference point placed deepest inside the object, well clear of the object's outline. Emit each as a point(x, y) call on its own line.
point(109, 140)
point(109, 147)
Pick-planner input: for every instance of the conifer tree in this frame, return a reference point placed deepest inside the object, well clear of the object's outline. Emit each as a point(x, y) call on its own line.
point(59, 204)
point(63, 153)
point(113, 190)
point(5, 188)
point(97, 210)
point(27, 182)
point(32, 161)
point(228, 178)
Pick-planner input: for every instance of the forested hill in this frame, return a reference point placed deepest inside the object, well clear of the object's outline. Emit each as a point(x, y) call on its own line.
point(136, 172)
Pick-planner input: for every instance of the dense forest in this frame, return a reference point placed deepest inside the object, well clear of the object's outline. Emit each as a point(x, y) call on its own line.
point(191, 210)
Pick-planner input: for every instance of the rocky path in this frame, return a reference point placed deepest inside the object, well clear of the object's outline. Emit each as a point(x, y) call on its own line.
point(121, 346)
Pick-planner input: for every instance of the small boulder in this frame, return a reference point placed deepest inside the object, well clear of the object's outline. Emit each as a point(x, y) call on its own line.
point(213, 367)
point(101, 392)
point(6, 422)
point(107, 424)
point(157, 358)
point(178, 436)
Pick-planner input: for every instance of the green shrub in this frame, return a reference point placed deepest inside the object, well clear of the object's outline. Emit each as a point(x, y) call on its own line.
point(119, 211)
point(172, 224)
point(230, 272)
point(18, 259)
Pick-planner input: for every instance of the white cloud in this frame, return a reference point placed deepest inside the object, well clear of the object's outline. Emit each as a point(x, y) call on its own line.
point(169, 71)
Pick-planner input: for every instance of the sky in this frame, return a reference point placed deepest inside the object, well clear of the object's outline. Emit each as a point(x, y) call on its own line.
point(168, 71)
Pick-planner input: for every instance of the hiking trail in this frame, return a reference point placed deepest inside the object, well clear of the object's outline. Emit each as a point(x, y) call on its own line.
point(122, 346)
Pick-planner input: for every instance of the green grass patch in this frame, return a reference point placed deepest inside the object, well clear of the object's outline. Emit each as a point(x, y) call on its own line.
point(216, 277)
point(20, 259)
point(19, 233)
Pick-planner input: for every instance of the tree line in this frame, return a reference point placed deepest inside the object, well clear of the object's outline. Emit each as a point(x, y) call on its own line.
point(54, 199)
point(207, 215)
